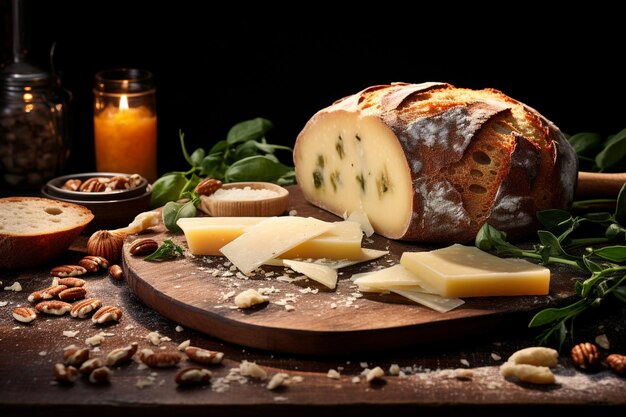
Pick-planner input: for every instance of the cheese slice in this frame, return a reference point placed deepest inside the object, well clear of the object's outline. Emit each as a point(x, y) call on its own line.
point(207, 235)
point(271, 238)
point(396, 276)
point(466, 271)
point(320, 273)
point(366, 256)
point(434, 301)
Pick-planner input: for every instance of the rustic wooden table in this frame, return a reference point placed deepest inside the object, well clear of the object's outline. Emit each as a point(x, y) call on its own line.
point(428, 385)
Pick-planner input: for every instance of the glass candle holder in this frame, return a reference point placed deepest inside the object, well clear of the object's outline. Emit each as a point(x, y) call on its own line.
point(125, 122)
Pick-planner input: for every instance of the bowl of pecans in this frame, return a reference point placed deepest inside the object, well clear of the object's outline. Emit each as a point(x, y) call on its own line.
point(114, 198)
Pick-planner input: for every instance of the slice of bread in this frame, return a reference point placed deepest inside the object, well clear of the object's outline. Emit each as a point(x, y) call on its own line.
point(34, 230)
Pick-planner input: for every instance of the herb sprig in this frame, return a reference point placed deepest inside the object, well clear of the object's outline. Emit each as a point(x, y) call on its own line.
point(598, 154)
point(244, 155)
point(167, 250)
point(562, 242)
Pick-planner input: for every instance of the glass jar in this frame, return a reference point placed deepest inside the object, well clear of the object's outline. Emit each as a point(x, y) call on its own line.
point(34, 141)
point(125, 122)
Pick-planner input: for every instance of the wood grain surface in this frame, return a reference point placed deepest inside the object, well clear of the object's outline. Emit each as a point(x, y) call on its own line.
point(193, 291)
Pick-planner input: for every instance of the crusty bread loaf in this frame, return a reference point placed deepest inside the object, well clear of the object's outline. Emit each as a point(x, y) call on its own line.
point(431, 162)
point(36, 230)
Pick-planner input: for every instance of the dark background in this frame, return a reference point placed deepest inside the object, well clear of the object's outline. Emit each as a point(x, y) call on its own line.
point(217, 65)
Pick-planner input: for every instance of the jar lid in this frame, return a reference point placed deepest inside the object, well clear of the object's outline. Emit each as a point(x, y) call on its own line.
point(22, 74)
point(124, 81)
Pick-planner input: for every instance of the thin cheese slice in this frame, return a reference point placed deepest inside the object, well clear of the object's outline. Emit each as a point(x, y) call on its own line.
point(466, 271)
point(360, 217)
point(320, 273)
point(270, 239)
point(207, 235)
point(433, 301)
point(396, 276)
point(366, 256)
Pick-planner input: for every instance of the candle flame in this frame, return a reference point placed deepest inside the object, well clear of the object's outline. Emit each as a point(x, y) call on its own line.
point(123, 102)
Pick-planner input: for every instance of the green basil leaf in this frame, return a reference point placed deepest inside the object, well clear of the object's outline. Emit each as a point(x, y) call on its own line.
point(615, 232)
point(213, 166)
point(255, 168)
point(288, 178)
point(590, 265)
point(174, 211)
point(248, 130)
point(555, 220)
point(219, 147)
point(620, 208)
point(269, 148)
point(612, 253)
point(167, 188)
point(197, 156)
point(613, 152)
point(586, 143)
point(246, 149)
point(550, 315)
point(552, 246)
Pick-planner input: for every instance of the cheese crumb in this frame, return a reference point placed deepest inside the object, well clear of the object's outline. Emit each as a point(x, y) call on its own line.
point(289, 307)
point(3, 303)
point(43, 353)
point(70, 333)
point(145, 382)
point(253, 370)
point(16, 287)
point(496, 357)
point(465, 362)
point(333, 374)
point(248, 298)
point(364, 365)
point(356, 380)
point(179, 328)
point(394, 369)
point(154, 338)
point(277, 380)
point(95, 340)
point(603, 341)
point(462, 373)
point(375, 373)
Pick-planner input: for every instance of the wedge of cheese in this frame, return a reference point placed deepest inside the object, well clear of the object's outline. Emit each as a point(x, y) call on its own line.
point(270, 239)
point(207, 235)
point(466, 271)
point(321, 273)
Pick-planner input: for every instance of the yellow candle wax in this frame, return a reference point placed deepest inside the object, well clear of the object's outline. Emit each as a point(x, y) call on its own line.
point(125, 141)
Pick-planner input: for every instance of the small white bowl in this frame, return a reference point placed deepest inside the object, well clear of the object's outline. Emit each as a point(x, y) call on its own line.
point(272, 206)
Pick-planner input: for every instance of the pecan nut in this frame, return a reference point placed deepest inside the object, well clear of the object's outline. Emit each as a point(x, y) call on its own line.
point(82, 308)
point(100, 375)
point(193, 376)
point(64, 373)
point(54, 307)
point(46, 294)
point(72, 184)
point(617, 363)
point(585, 355)
point(94, 185)
point(64, 271)
point(107, 314)
point(72, 294)
point(116, 272)
point(75, 356)
point(24, 314)
point(89, 365)
point(204, 356)
point(208, 186)
point(121, 355)
point(71, 282)
point(118, 182)
point(143, 247)
point(159, 359)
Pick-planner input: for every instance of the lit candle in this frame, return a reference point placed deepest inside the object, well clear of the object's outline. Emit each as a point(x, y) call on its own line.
point(125, 126)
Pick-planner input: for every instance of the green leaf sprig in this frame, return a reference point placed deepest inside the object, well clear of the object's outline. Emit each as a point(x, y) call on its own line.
point(562, 242)
point(167, 250)
point(244, 155)
point(598, 154)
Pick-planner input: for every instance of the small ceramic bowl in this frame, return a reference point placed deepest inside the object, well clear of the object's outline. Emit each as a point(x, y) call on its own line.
point(242, 207)
point(111, 210)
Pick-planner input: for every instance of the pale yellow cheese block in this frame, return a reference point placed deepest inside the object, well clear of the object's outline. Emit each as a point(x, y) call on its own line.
point(270, 239)
point(207, 235)
point(466, 271)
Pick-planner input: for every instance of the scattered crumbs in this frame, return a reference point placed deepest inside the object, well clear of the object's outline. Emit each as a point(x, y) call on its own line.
point(293, 212)
point(70, 333)
point(333, 374)
point(280, 399)
point(333, 305)
point(252, 370)
point(365, 371)
point(309, 290)
point(364, 364)
point(394, 369)
point(179, 328)
point(43, 353)
point(129, 327)
point(496, 357)
point(284, 278)
point(463, 374)
point(165, 339)
point(348, 362)
point(145, 382)
point(3, 303)
point(296, 378)
point(340, 368)
point(162, 382)
point(277, 380)
point(178, 286)
point(16, 287)
point(289, 307)
point(96, 349)
point(240, 275)
point(376, 373)
point(154, 338)
point(228, 295)
point(356, 380)
point(142, 366)
point(603, 341)
point(465, 362)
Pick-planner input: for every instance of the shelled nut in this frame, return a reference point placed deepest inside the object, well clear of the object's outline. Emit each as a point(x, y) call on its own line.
point(143, 247)
point(64, 271)
point(617, 363)
point(585, 355)
point(116, 272)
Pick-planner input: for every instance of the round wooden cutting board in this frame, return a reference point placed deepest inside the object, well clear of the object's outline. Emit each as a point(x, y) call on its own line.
point(198, 292)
